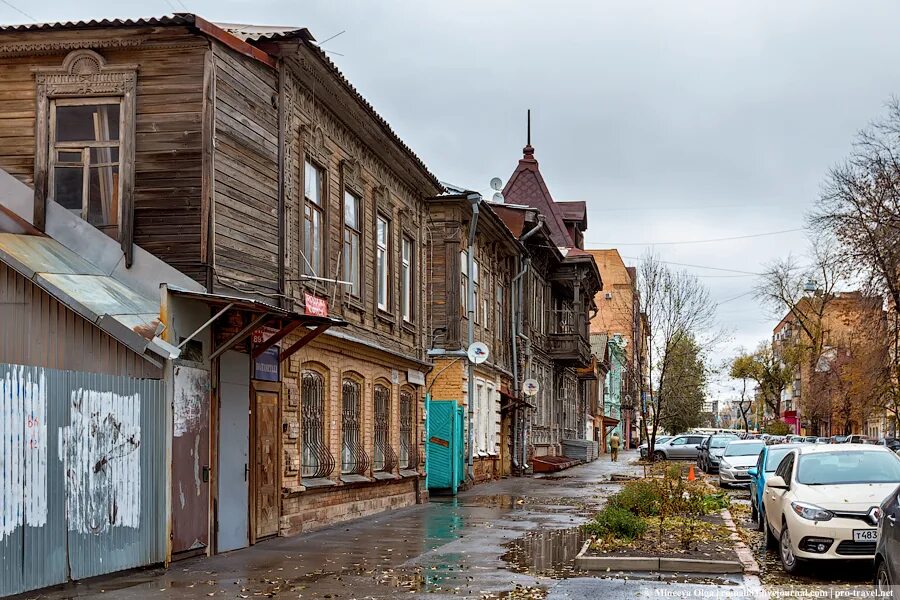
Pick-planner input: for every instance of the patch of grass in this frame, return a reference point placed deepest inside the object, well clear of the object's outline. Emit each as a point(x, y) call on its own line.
point(641, 497)
point(617, 523)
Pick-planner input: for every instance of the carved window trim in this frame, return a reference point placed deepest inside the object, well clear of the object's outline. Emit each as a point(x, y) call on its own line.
point(86, 74)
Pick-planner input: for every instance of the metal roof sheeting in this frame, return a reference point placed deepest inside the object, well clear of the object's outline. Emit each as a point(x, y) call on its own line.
point(176, 19)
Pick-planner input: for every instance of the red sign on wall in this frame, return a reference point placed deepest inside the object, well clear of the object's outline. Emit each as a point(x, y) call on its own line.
point(315, 306)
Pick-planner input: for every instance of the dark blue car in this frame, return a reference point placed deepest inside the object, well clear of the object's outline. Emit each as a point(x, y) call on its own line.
point(766, 464)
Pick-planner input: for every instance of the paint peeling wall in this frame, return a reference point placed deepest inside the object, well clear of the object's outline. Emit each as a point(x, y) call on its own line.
point(82, 487)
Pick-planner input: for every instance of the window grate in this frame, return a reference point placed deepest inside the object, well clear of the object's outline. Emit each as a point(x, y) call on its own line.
point(385, 457)
point(353, 456)
point(316, 460)
point(408, 446)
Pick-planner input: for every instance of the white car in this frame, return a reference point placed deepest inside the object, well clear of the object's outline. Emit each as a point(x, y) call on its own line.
point(823, 502)
point(739, 456)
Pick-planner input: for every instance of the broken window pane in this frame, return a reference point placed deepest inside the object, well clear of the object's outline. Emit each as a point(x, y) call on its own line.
point(103, 197)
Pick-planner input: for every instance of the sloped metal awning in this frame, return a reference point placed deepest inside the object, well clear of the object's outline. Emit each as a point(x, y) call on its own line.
point(119, 310)
point(263, 314)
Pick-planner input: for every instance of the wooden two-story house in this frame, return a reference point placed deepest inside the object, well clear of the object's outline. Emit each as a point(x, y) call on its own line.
point(559, 289)
point(243, 158)
point(454, 220)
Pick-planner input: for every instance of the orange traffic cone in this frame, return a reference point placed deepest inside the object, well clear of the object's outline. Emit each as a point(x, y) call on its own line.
point(691, 476)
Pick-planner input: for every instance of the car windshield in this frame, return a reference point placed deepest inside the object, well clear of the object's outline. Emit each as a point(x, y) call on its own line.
point(743, 449)
point(774, 458)
point(829, 468)
point(720, 442)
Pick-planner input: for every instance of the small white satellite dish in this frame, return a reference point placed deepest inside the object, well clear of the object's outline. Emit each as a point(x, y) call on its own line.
point(530, 387)
point(478, 353)
point(498, 197)
point(496, 184)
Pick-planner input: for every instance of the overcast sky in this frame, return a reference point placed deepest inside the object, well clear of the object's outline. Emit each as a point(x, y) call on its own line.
point(675, 121)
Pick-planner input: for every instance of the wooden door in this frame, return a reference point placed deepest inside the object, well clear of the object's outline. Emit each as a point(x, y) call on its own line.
point(265, 480)
point(190, 461)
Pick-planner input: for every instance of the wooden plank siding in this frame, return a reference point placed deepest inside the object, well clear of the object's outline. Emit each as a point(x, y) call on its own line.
point(245, 220)
point(168, 139)
point(37, 330)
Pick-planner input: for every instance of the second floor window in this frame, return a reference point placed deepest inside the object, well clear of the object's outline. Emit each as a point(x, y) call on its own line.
point(406, 279)
point(476, 308)
point(351, 241)
point(313, 220)
point(382, 237)
point(84, 159)
point(464, 283)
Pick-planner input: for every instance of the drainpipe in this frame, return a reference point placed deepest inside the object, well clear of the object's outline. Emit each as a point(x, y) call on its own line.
point(475, 199)
point(517, 321)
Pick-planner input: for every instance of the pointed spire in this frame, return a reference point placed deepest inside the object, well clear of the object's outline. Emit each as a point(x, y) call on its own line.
point(528, 150)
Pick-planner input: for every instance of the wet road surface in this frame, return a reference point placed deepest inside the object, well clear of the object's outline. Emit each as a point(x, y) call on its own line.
point(515, 538)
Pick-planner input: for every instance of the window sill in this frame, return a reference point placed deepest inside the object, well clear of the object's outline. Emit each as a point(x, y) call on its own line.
point(405, 473)
point(407, 326)
point(317, 482)
point(384, 476)
point(354, 478)
point(355, 304)
point(385, 316)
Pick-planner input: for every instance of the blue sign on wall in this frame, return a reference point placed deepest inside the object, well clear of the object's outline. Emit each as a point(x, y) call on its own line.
point(266, 367)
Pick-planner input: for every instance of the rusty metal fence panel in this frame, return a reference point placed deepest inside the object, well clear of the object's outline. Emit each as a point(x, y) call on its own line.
point(82, 491)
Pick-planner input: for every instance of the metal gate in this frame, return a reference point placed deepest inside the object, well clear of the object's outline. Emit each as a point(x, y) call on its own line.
point(82, 490)
point(446, 452)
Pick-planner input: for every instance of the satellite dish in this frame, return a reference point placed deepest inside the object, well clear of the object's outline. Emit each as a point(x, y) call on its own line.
point(498, 197)
point(496, 184)
point(478, 353)
point(530, 387)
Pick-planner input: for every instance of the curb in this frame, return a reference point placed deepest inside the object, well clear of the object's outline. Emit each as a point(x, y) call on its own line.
point(744, 553)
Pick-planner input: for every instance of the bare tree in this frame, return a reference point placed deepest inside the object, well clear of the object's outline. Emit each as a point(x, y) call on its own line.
point(678, 307)
point(860, 207)
point(804, 293)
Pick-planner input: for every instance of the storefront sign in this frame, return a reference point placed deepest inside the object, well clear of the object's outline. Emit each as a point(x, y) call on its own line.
point(315, 306)
point(267, 367)
point(415, 377)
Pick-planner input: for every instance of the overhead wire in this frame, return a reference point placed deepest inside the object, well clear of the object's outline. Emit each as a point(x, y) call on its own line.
point(724, 239)
point(18, 10)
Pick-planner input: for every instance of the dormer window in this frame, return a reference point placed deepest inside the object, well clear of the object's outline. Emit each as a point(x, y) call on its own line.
point(84, 160)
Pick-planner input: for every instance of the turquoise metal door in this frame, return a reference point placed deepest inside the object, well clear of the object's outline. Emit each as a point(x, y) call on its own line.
point(444, 445)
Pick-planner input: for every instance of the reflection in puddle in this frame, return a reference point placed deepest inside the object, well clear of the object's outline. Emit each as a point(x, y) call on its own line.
point(546, 552)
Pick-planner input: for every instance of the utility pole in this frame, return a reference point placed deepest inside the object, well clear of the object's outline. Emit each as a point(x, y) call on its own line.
point(475, 199)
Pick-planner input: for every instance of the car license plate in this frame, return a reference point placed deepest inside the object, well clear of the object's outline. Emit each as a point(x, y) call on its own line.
point(865, 535)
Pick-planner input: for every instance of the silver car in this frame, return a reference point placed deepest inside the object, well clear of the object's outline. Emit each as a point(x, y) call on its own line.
point(685, 446)
point(739, 456)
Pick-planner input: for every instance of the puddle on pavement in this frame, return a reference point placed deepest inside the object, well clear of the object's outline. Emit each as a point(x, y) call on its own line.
point(545, 552)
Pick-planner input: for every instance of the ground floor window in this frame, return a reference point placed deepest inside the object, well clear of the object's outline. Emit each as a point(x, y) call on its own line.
point(315, 459)
point(407, 431)
point(353, 456)
point(385, 459)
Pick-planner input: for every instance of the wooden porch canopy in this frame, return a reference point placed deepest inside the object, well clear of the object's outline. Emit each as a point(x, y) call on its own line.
point(262, 315)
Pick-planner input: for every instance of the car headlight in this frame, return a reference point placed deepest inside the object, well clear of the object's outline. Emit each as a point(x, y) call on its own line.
point(724, 464)
point(811, 512)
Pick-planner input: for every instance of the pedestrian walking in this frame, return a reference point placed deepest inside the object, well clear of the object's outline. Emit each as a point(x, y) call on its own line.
point(614, 446)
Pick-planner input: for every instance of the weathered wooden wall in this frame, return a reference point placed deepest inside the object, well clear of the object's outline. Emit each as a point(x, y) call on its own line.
point(37, 330)
point(246, 174)
point(168, 141)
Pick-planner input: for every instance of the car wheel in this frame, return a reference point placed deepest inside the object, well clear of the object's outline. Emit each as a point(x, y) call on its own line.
point(789, 561)
point(771, 540)
point(882, 580)
point(659, 455)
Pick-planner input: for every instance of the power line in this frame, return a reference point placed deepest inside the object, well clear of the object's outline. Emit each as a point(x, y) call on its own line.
point(18, 10)
point(668, 262)
point(725, 239)
point(734, 298)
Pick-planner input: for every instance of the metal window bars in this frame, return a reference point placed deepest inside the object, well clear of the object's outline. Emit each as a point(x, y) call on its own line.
point(409, 449)
point(353, 456)
point(315, 457)
point(385, 458)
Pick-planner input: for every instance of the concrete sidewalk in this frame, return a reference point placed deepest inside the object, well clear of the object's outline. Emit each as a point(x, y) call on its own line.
point(483, 543)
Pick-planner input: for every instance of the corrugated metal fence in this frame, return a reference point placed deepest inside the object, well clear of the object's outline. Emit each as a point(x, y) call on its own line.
point(83, 481)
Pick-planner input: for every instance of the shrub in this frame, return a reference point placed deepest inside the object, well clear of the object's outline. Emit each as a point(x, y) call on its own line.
point(616, 522)
point(712, 503)
point(777, 428)
point(641, 497)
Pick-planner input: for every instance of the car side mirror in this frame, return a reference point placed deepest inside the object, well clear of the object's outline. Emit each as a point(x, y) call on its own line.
point(777, 482)
point(752, 472)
